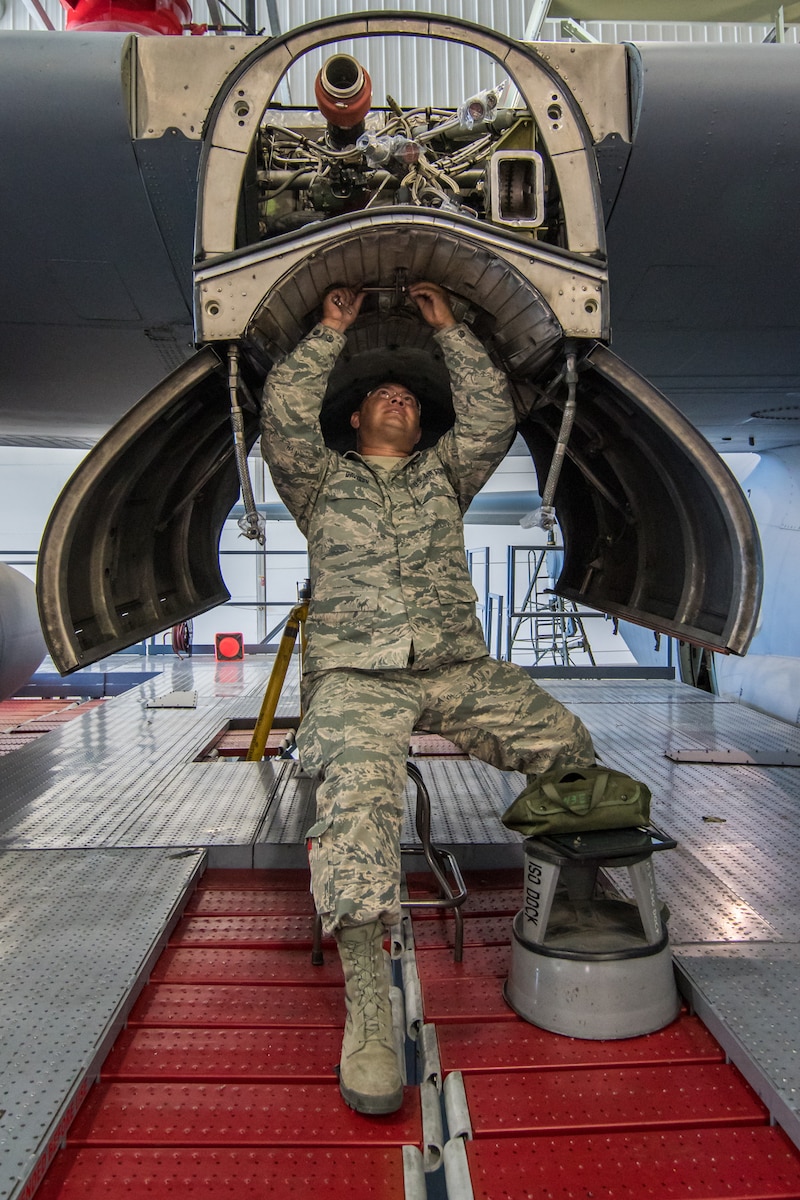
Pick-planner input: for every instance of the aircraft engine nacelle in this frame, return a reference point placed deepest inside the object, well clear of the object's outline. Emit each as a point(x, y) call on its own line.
point(502, 203)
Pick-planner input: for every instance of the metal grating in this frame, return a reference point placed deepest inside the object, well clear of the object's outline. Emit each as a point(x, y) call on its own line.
point(292, 811)
point(725, 870)
point(124, 773)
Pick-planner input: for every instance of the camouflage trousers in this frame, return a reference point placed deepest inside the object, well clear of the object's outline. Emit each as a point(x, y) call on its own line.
point(355, 735)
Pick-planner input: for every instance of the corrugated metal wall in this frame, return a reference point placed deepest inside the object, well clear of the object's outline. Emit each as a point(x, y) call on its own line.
point(411, 70)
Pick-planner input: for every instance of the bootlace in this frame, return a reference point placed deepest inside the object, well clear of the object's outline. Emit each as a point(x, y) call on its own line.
point(374, 1008)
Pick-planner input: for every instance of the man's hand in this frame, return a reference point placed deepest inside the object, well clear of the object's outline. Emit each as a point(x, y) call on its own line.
point(340, 308)
point(434, 304)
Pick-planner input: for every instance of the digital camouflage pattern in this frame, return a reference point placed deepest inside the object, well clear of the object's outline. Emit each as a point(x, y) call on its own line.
point(386, 549)
point(388, 575)
point(356, 733)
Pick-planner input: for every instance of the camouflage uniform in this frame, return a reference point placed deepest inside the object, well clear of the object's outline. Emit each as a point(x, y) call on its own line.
point(392, 636)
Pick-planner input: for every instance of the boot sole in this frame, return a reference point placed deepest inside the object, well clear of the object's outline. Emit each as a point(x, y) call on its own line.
point(372, 1106)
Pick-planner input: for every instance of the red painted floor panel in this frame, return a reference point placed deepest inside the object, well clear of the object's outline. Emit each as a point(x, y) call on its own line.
point(694, 1164)
point(521, 1046)
point(611, 1100)
point(9, 742)
point(23, 720)
point(237, 1114)
point(233, 1044)
point(230, 902)
point(435, 932)
point(506, 903)
point(247, 931)
point(203, 1174)
point(487, 881)
point(282, 966)
point(465, 999)
point(23, 710)
point(245, 879)
point(437, 963)
point(247, 1055)
point(238, 1004)
point(223, 1084)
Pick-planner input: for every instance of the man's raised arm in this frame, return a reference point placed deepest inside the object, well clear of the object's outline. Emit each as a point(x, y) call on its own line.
point(485, 421)
point(291, 438)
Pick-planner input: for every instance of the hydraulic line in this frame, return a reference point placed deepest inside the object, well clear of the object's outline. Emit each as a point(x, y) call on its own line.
point(251, 524)
point(546, 516)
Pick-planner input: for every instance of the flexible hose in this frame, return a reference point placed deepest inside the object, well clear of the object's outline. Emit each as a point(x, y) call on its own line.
point(251, 524)
point(547, 513)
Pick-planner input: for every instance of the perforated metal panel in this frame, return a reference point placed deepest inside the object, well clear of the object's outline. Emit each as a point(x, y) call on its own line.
point(172, 1114)
point(77, 931)
point(710, 1094)
point(702, 1162)
point(229, 1174)
point(124, 775)
point(467, 799)
point(748, 996)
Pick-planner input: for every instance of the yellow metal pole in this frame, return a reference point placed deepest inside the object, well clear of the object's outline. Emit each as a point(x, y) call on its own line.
point(269, 704)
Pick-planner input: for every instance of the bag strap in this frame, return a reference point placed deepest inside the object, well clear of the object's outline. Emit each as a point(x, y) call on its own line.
point(600, 785)
point(598, 789)
point(551, 791)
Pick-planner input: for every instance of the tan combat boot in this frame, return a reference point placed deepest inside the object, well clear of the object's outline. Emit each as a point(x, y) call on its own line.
point(369, 1076)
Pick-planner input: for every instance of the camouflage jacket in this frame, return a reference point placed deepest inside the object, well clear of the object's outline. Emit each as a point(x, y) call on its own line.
point(386, 548)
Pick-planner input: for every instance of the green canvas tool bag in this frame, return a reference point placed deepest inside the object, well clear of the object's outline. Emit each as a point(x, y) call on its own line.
point(577, 800)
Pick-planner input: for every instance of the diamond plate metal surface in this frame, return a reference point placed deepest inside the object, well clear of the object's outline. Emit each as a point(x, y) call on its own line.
point(246, 1055)
point(729, 865)
point(77, 931)
point(253, 1005)
point(123, 774)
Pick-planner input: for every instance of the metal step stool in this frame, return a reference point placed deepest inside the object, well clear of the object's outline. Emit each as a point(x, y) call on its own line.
point(585, 961)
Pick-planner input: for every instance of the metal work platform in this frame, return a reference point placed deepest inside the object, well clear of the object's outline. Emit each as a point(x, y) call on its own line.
point(106, 824)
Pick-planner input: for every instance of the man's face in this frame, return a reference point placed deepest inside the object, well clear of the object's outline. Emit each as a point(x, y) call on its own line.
point(389, 414)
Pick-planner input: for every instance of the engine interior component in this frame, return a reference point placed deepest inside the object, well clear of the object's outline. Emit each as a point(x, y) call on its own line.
point(428, 157)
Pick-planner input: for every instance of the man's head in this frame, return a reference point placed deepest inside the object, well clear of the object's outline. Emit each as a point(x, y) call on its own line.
point(387, 422)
